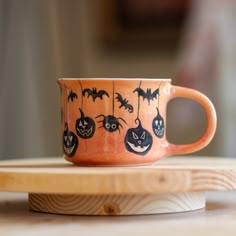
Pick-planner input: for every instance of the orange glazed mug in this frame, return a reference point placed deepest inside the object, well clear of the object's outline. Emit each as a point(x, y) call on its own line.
point(123, 121)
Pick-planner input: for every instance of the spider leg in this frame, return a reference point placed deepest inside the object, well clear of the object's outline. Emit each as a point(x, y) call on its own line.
point(120, 125)
point(119, 118)
point(100, 116)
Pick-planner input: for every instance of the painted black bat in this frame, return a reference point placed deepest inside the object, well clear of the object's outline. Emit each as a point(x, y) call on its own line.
point(94, 93)
point(124, 103)
point(148, 94)
point(72, 96)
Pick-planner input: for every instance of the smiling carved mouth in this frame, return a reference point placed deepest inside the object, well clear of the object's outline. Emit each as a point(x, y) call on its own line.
point(159, 131)
point(138, 148)
point(85, 132)
point(69, 150)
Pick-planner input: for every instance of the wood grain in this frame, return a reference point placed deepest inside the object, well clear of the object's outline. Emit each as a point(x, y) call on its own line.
point(116, 204)
point(169, 175)
point(218, 219)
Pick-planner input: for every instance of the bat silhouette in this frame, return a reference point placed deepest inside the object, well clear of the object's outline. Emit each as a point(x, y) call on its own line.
point(72, 96)
point(124, 103)
point(148, 94)
point(94, 93)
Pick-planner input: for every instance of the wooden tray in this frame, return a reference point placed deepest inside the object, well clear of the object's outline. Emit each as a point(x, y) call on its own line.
point(171, 185)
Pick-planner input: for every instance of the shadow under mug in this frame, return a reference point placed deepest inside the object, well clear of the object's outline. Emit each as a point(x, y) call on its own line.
point(108, 121)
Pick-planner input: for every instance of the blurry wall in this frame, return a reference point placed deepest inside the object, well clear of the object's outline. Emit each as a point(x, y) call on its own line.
point(29, 65)
point(208, 62)
point(41, 41)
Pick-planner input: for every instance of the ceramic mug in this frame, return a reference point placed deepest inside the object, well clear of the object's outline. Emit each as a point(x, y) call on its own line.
point(123, 121)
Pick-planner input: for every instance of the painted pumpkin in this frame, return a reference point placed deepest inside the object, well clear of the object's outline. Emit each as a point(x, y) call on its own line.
point(158, 125)
point(70, 142)
point(138, 140)
point(85, 126)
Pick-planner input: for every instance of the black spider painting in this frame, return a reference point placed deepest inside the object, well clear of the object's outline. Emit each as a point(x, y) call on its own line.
point(94, 93)
point(124, 103)
point(110, 123)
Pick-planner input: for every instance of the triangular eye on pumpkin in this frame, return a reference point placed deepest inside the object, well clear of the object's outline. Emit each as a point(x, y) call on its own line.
point(85, 126)
point(70, 142)
point(138, 140)
point(158, 125)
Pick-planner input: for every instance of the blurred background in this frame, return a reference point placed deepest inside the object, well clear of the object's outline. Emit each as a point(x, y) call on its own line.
point(191, 41)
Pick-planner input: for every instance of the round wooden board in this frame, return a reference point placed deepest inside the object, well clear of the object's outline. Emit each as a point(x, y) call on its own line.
point(116, 204)
point(170, 175)
point(174, 184)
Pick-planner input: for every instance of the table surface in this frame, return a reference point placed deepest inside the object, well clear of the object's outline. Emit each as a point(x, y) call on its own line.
point(219, 218)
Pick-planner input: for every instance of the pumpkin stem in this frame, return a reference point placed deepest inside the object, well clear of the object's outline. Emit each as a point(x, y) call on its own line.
point(137, 120)
point(81, 114)
point(158, 113)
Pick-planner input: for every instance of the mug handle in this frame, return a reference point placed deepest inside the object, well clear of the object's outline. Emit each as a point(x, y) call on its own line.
point(204, 101)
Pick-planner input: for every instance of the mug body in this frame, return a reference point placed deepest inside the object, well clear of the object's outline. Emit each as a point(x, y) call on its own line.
point(114, 121)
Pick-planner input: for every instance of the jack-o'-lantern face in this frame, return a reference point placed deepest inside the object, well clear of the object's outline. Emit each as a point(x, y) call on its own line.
point(158, 125)
point(85, 126)
point(138, 140)
point(70, 142)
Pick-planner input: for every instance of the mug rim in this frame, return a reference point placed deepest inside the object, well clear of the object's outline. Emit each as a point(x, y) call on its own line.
point(110, 79)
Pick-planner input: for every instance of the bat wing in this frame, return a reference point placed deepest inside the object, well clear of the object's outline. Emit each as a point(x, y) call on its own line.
point(75, 95)
point(71, 96)
point(141, 92)
point(130, 108)
point(101, 93)
point(119, 97)
point(87, 90)
point(155, 93)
